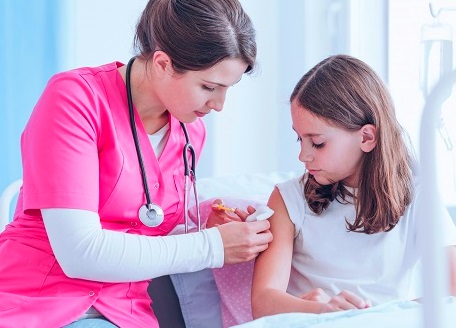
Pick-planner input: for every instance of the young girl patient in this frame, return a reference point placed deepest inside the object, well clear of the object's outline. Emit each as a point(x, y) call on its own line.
point(347, 233)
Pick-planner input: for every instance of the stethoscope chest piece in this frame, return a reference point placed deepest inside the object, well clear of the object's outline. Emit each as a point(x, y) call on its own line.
point(151, 215)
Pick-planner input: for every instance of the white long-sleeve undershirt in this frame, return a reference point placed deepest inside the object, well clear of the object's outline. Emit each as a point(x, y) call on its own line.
point(84, 250)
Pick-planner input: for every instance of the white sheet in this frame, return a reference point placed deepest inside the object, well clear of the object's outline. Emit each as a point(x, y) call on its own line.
point(396, 314)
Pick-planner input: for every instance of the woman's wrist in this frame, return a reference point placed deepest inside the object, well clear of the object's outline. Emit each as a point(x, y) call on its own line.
point(217, 247)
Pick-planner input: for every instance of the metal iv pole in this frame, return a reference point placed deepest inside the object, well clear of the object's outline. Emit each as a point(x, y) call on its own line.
point(435, 268)
point(437, 80)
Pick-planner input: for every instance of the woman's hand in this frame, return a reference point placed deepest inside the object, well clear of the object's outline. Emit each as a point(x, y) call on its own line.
point(220, 216)
point(243, 241)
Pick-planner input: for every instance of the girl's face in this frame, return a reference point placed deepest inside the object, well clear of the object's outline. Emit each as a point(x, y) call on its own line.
point(329, 153)
point(196, 93)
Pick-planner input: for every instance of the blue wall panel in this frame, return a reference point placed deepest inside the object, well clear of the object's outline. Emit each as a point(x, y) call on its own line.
point(29, 57)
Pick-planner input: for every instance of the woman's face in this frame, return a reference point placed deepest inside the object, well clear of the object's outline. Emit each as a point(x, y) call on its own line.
point(329, 153)
point(196, 93)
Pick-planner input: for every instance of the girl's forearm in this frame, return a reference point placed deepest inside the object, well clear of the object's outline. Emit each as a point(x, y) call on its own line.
point(272, 301)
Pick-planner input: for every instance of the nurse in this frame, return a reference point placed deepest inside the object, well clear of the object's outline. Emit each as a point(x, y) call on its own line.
point(76, 252)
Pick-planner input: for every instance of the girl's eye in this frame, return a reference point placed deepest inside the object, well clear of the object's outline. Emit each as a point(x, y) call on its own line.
point(318, 146)
point(205, 87)
point(299, 139)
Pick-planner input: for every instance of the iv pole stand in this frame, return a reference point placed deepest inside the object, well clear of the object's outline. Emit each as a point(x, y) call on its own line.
point(435, 270)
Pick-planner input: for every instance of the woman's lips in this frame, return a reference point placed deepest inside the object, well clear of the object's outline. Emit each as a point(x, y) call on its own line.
point(201, 114)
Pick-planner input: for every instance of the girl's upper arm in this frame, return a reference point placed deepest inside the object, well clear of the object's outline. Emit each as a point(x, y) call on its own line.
point(273, 266)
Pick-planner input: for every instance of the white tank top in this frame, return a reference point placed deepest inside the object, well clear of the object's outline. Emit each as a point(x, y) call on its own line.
point(377, 266)
point(159, 139)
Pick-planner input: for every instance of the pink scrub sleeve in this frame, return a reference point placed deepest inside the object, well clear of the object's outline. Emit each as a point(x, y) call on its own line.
point(59, 148)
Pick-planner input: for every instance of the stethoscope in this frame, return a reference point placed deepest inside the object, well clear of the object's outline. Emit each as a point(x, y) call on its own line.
point(150, 214)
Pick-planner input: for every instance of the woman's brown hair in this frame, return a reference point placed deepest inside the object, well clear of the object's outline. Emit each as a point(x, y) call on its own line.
point(347, 93)
point(196, 34)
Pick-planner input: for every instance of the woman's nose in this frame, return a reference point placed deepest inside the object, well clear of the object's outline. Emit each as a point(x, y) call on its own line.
point(217, 102)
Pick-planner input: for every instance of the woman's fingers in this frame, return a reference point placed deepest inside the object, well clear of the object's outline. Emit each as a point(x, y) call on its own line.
point(242, 215)
point(251, 209)
point(235, 214)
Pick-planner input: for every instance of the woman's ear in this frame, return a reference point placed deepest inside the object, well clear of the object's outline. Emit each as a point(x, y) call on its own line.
point(162, 63)
point(369, 137)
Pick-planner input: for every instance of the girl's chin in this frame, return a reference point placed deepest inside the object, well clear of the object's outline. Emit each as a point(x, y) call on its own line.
point(322, 181)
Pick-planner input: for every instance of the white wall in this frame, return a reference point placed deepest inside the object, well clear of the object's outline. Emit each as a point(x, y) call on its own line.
point(99, 31)
point(246, 136)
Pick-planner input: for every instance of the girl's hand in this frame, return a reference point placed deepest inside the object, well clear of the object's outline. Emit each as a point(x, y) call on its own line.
point(317, 295)
point(347, 300)
point(221, 216)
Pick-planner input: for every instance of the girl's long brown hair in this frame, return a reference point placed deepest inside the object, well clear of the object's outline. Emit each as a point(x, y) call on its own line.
point(347, 93)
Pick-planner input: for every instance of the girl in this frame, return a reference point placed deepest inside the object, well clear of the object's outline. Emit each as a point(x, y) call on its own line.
point(346, 234)
point(83, 246)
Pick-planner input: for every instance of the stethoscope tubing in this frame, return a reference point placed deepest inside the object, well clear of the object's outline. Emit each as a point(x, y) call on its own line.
point(189, 170)
point(134, 131)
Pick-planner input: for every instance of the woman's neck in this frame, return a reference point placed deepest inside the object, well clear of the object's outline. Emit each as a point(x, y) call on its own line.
point(150, 110)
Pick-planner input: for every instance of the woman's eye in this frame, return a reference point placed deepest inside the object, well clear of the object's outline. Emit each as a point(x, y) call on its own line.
point(205, 87)
point(318, 146)
point(299, 139)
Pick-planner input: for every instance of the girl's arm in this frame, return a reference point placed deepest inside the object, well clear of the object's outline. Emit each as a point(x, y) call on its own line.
point(272, 273)
point(273, 266)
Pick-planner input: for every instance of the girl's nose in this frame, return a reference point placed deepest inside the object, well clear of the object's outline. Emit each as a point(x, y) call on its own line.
point(305, 155)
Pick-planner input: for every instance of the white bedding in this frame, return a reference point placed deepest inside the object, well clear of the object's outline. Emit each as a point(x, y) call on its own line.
point(396, 314)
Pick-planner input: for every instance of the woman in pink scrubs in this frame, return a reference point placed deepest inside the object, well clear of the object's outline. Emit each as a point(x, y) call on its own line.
point(76, 252)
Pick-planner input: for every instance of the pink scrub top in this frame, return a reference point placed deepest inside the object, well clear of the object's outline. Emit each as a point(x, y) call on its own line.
point(78, 152)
